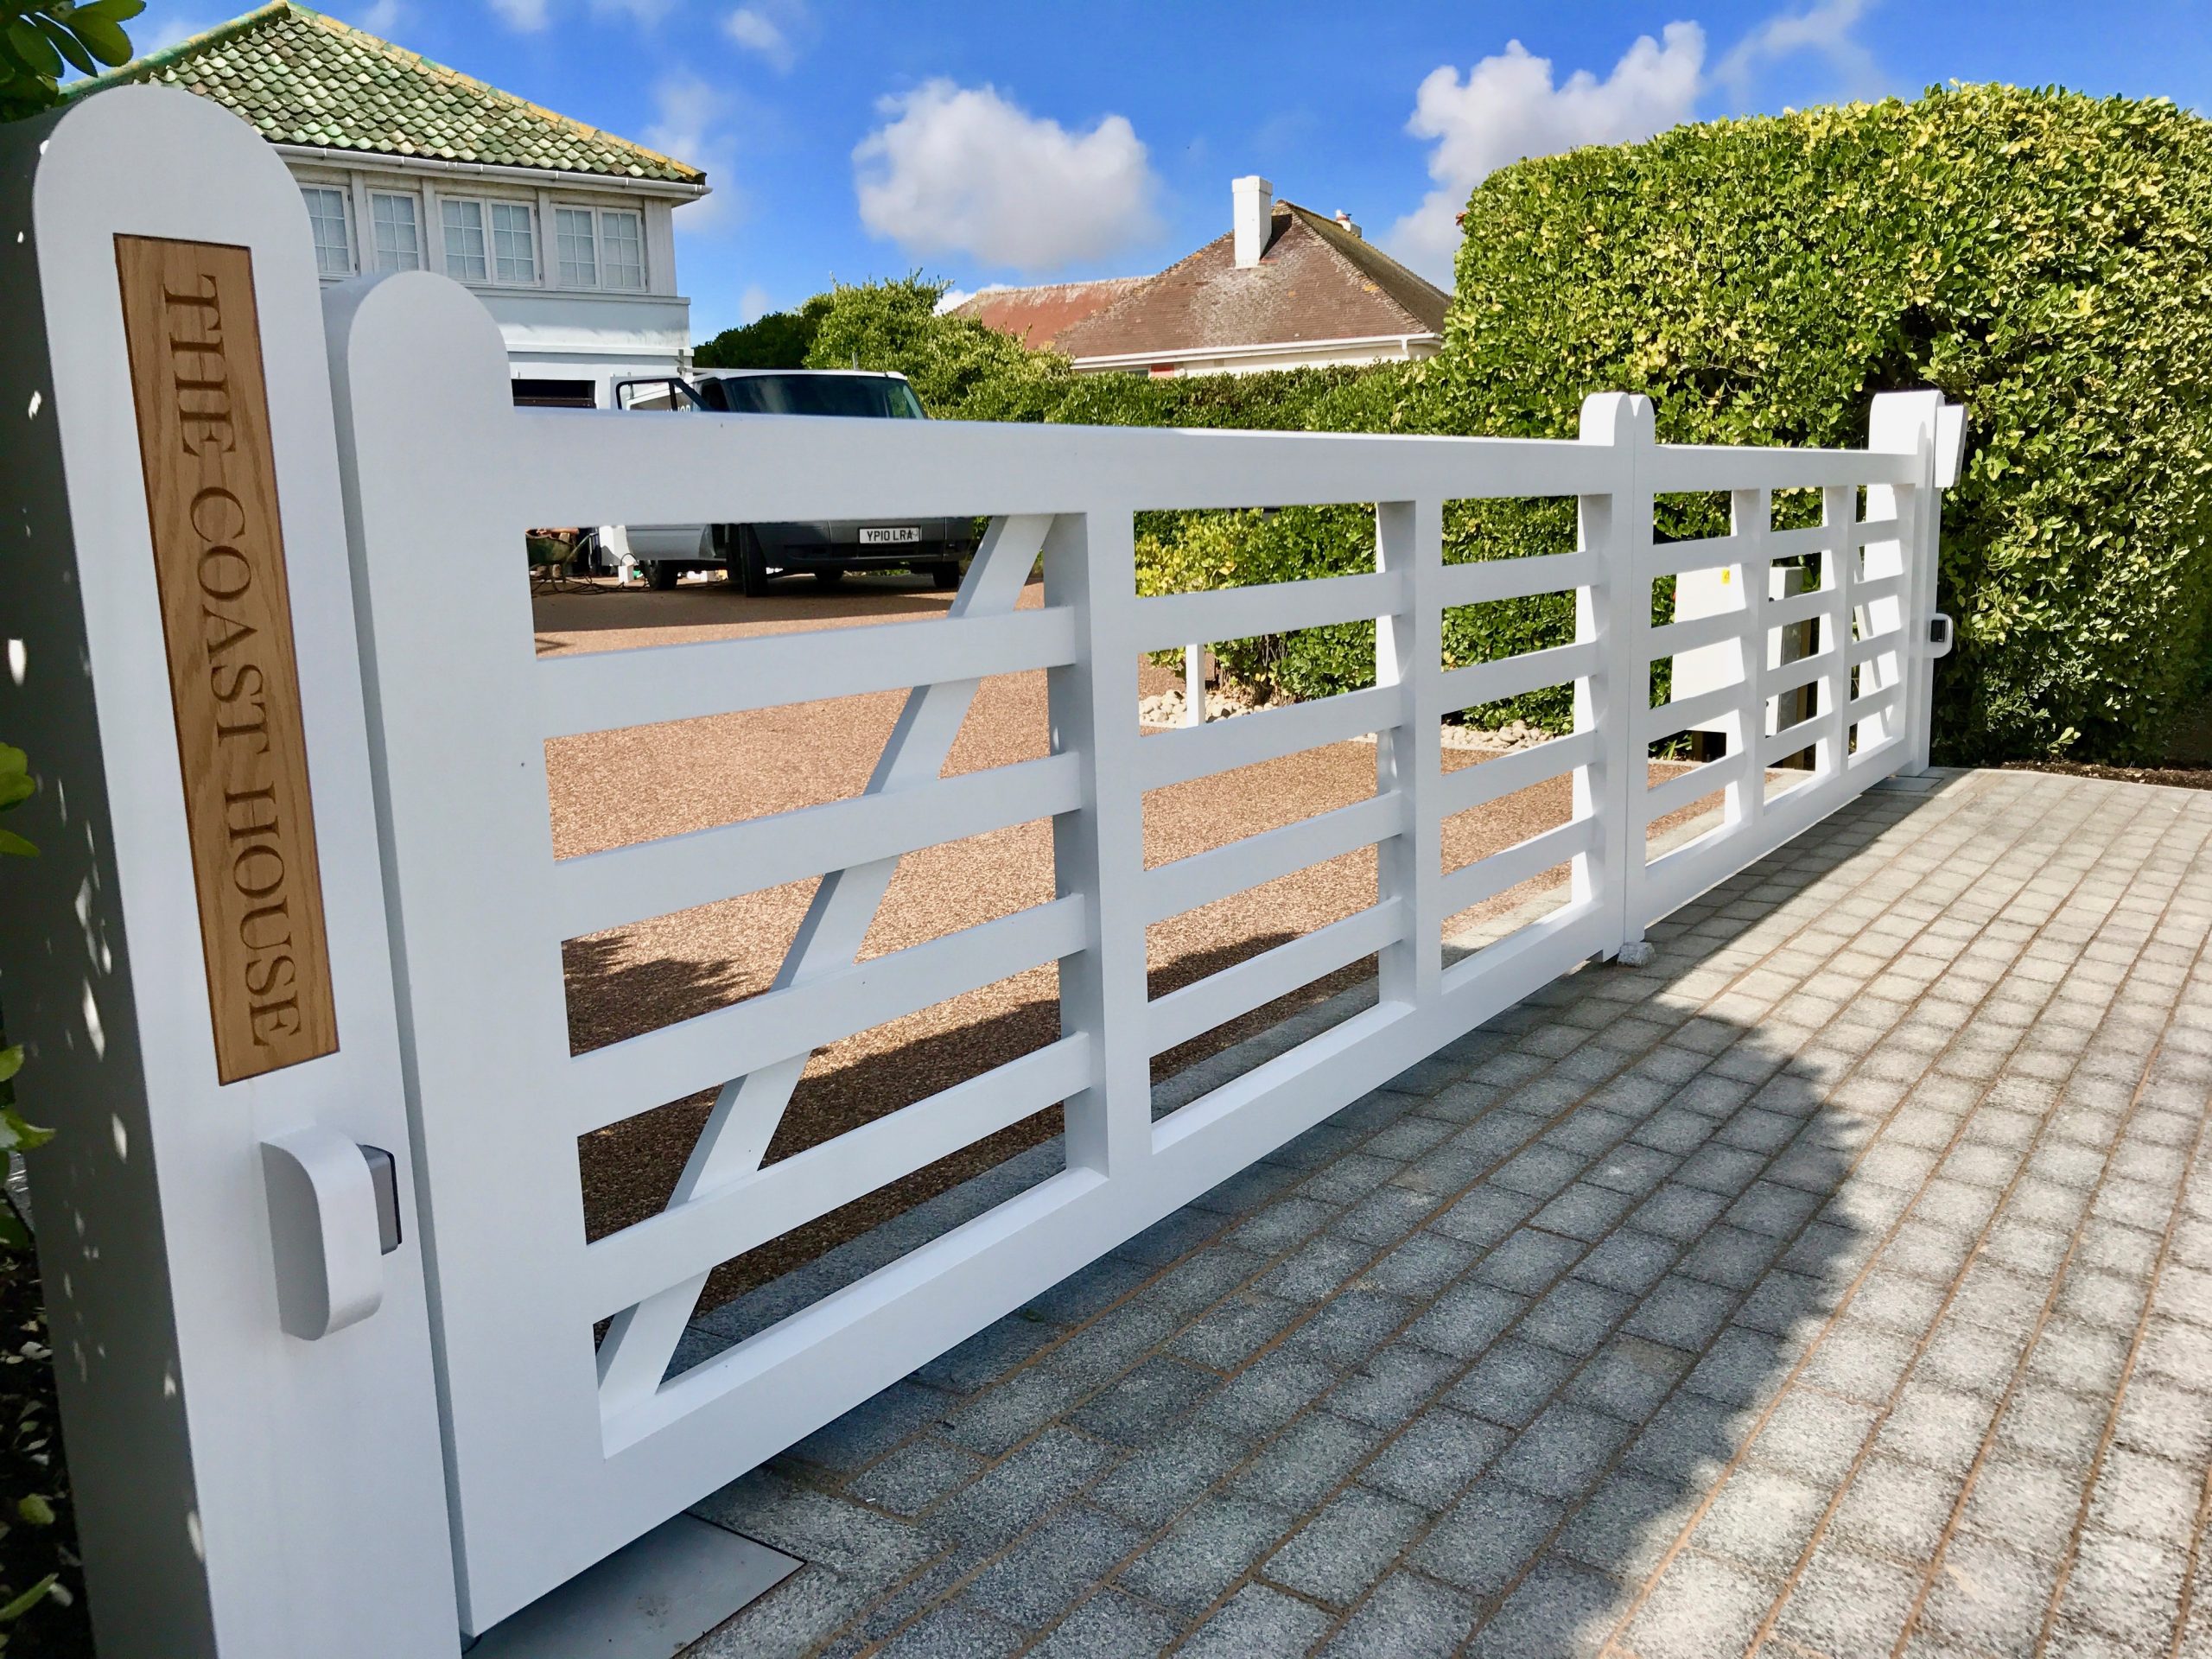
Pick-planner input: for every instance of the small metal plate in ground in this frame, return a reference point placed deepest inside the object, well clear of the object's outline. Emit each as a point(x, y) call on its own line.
point(651, 1599)
point(1923, 783)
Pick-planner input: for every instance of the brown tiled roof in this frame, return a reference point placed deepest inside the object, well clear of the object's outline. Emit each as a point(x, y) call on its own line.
point(1035, 316)
point(1316, 281)
point(300, 77)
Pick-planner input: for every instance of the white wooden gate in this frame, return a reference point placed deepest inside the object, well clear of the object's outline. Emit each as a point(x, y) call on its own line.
point(560, 1453)
point(557, 1449)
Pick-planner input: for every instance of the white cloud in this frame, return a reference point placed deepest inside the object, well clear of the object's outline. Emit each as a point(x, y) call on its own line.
point(383, 16)
point(525, 16)
point(755, 303)
point(1824, 28)
point(173, 30)
point(1508, 106)
point(770, 29)
point(965, 169)
point(687, 126)
point(647, 12)
point(953, 298)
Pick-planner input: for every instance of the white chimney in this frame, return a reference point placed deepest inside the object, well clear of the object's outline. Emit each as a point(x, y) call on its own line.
point(1344, 224)
point(1255, 200)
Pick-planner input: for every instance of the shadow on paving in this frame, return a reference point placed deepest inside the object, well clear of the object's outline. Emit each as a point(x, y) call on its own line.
point(1448, 1373)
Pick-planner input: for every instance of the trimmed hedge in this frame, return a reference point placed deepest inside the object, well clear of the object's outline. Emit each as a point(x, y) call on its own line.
point(2043, 258)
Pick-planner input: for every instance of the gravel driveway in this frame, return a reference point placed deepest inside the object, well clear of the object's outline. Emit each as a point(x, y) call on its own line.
point(611, 789)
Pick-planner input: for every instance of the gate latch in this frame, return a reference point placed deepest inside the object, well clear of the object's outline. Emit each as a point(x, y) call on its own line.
point(1939, 635)
point(334, 1214)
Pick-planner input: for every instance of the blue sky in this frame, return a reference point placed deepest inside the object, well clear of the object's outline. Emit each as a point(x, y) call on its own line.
point(993, 141)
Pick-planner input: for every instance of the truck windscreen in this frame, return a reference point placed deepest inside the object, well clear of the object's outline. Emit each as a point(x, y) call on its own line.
point(865, 396)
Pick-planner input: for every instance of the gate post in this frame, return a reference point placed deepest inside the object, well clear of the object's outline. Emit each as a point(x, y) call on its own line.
point(1914, 423)
point(198, 961)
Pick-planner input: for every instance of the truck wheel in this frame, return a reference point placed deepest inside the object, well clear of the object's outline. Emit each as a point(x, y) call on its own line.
point(829, 578)
point(945, 576)
point(750, 567)
point(661, 576)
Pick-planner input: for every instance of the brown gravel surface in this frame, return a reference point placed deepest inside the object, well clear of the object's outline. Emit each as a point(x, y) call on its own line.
point(612, 789)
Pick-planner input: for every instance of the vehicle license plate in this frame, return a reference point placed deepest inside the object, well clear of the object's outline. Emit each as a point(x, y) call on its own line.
point(891, 533)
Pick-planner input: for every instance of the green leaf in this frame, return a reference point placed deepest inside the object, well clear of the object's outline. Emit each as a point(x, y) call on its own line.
point(15, 786)
point(65, 43)
point(102, 38)
point(30, 1599)
point(11, 1061)
point(13, 1236)
point(35, 1509)
point(115, 11)
point(33, 50)
point(13, 759)
point(12, 843)
point(19, 1135)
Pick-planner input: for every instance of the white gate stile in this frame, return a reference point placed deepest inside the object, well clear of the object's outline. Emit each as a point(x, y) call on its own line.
point(239, 1489)
point(561, 1454)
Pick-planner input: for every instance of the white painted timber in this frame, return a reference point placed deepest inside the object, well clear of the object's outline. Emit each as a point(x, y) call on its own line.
point(258, 1494)
point(239, 1491)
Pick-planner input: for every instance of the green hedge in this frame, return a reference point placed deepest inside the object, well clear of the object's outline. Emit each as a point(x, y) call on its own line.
point(2043, 258)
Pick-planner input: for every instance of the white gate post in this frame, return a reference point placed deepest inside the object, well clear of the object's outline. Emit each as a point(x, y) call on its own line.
point(241, 1491)
point(1912, 423)
point(1616, 611)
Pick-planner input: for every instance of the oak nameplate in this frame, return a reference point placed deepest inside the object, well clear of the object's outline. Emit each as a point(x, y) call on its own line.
point(196, 381)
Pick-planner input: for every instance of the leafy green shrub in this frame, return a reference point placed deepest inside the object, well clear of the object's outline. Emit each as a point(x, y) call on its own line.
point(40, 41)
point(779, 341)
point(2043, 258)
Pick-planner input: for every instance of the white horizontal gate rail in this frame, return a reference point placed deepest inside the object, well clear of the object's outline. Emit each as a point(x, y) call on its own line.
point(560, 1451)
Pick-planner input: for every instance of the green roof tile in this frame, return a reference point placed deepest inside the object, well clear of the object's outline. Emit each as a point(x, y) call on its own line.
point(302, 77)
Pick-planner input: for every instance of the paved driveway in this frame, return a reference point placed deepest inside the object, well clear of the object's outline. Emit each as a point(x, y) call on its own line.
point(1839, 1284)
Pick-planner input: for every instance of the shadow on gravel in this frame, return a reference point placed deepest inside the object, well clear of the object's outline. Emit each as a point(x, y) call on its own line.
point(629, 1169)
point(793, 603)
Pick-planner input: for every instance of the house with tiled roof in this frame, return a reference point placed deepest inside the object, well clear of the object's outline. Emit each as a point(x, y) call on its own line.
point(1284, 287)
point(562, 229)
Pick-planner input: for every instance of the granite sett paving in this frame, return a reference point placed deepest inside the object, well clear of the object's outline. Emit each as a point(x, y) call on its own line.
point(1839, 1283)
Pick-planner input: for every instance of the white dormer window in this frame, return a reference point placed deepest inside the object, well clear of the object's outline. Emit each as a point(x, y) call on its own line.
point(621, 250)
point(333, 246)
point(599, 248)
point(576, 246)
point(488, 241)
point(514, 243)
point(395, 231)
point(467, 256)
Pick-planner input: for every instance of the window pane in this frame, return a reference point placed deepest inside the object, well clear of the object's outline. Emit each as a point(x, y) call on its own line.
point(873, 396)
point(464, 228)
point(514, 251)
point(572, 237)
point(622, 251)
point(398, 240)
point(333, 253)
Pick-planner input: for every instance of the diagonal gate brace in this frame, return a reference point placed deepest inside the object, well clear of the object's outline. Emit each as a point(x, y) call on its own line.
point(640, 1340)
